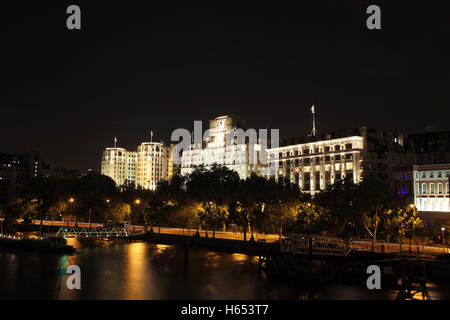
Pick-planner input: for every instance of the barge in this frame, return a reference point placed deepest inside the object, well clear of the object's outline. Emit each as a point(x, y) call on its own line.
point(49, 244)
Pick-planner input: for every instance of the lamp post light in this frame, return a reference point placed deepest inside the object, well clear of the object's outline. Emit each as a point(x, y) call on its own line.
point(137, 202)
point(71, 201)
point(443, 234)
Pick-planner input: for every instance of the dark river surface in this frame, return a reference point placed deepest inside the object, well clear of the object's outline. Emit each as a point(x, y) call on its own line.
point(140, 270)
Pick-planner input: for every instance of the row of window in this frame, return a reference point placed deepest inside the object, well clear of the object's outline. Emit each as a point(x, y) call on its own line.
point(433, 174)
point(430, 189)
point(433, 204)
point(347, 146)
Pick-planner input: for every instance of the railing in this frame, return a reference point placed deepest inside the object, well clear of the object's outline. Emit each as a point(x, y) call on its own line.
point(305, 244)
point(313, 244)
point(93, 232)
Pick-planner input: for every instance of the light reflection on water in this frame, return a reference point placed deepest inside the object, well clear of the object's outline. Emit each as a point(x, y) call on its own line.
point(120, 270)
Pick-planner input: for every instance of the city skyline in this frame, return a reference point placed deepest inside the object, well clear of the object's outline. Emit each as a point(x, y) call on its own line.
point(132, 70)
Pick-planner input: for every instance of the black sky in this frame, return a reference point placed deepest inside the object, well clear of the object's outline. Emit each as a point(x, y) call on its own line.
point(137, 66)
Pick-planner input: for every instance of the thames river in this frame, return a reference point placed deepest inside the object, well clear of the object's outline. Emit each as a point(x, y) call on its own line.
point(140, 270)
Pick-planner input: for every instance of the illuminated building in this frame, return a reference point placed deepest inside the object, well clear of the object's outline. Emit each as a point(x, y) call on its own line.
point(120, 165)
point(235, 156)
point(152, 164)
point(431, 188)
point(173, 168)
point(315, 165)
point(314, 162)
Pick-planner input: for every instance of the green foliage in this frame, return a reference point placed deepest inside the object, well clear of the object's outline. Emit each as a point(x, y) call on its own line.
point(215, 198)
point(118, 212)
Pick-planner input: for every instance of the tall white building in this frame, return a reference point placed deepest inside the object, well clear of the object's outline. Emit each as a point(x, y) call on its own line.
point(145, 168)
point(152, 164)
point(235, 156)
point(119, 164)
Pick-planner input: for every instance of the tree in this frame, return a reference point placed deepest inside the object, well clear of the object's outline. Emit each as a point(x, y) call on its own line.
point(403, 220)
point(118, 211)
point(214, 189)
point(374, 200)
point(310, 218)
point(340, 201)
point(57, 209)
point(283, 200)
point(28, 208)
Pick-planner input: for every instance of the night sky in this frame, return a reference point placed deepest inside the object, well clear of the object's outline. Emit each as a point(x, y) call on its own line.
point(136, 66)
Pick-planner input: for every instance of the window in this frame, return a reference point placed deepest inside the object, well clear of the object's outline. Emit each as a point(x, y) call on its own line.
point(424, 188)
point(432, 188)
point(417, 188)
point(440, 187)
point(348, 146)
point(337, 148)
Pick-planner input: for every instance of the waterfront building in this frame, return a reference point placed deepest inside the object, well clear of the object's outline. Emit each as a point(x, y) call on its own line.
point(315, 162)
point(120, 165)
point(235, 156)
point(152, 164)
point(431, 190)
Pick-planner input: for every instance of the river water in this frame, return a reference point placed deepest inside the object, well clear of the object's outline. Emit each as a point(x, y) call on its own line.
point(120, 270)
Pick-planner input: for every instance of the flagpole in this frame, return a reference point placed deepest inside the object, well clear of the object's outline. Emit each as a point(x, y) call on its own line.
point(314, 121)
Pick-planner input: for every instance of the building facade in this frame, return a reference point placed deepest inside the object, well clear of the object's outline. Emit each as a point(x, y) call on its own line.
point(240, 156)
point(120, 165)
point(315, 162)
point(144, 167)
point(431, 188)
point(315, 165)
point(402, 177)
point(152, 164)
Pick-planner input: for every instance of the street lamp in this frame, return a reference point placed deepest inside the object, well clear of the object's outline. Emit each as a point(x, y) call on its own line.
point(71, 201)
point(137, 202)
point(443, 234)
